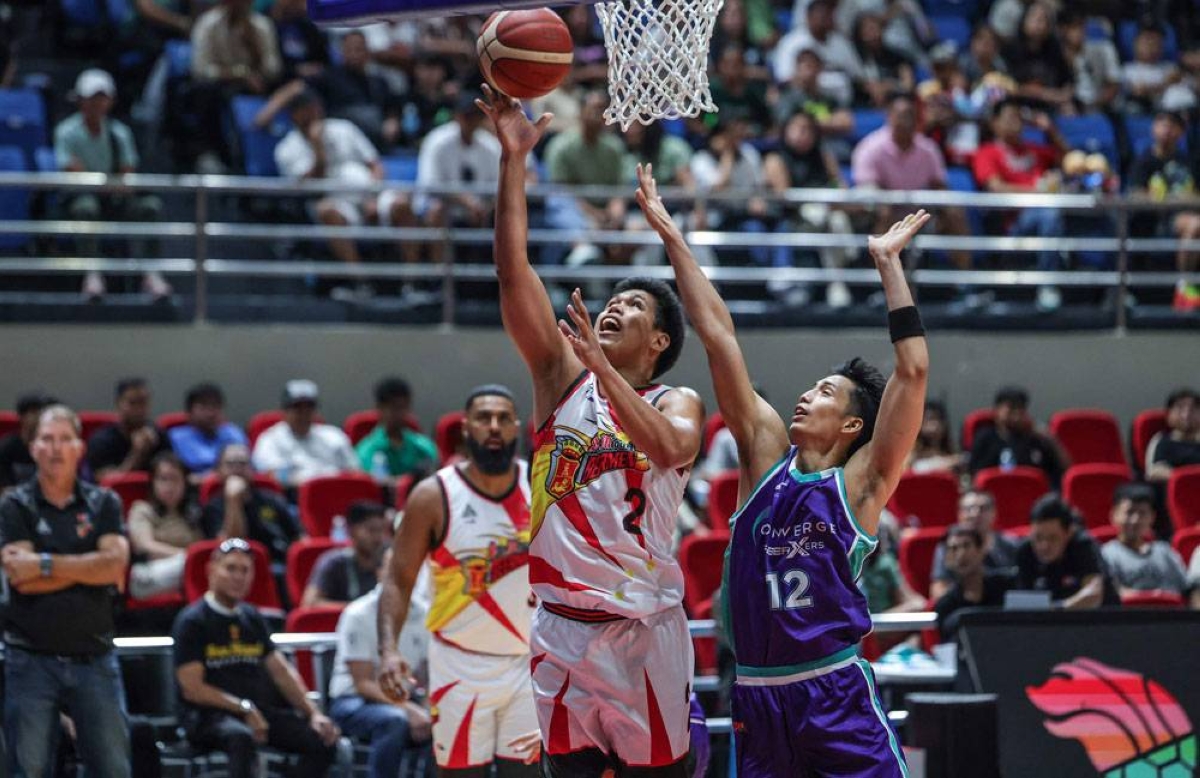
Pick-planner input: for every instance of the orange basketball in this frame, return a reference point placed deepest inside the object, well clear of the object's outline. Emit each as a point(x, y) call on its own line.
point(525, 54)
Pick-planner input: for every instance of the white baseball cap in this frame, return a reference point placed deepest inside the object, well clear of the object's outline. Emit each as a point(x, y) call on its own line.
point(94, 81)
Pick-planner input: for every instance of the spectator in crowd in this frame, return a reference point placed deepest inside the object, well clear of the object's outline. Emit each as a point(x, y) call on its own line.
point(1150, 74)
point(885, 70)
point(345, 574)
point(132, 441)
point(303, 49)
point(299, 448)
point(1015, 439)
point(161, 529)
point(670, 155)
point(956, 135)
point(982, 56)
point(898, 156)
point(64, 556)
point(805, 92)
point(91, 141)
point(590, 63)
point(818, 33)
point(428, 103)
point(1011, 165)
point(1135, 561)
point(357, 704)
point(199, 442)
point(935, 449)
point(1164, 171)
point(1179, 444)
point(977, 513)
point(241, 510)
point(1036, 61)
point(1005, 17)
point(974, 583)
point(738, 96)
point(231, 677)
point(334, 149)
point(906, 28)
point(1095, 65)
point(234, 51)
point(734, 28)
point(16, 461)
point(393, 443)
point(1061, 558)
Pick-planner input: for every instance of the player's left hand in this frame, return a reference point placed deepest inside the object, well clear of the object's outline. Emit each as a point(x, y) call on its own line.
point(529, 745)
point(887, 247)
point(582, 337)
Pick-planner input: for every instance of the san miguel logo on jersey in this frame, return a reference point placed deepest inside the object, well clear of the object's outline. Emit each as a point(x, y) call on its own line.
point(577, 461)
point(480, 572)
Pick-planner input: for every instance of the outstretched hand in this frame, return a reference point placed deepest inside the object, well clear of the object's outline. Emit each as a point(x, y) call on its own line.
point(887, 247)
point(652, 206)
point(582, 337)
point(516, 133)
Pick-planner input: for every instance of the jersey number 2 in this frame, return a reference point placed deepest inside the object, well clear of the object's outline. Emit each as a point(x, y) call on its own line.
point(797, 583)
point(637, 507)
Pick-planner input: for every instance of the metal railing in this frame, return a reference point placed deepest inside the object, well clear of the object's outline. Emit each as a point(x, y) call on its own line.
point(203, 232)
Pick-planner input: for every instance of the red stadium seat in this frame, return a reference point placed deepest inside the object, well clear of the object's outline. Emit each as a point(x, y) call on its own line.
point(323, 497)
point(130, 487)
point(403, 488)
point(973, 422)
point(263, 593)
point(1152, 598)
point(1103, 534)
point(1186, 541)
point(1015, 491)
point(722, 499)
point(1183, 496)
point(702, 558)
point(10, 422)
point(931, 497)
point(166, 421)
point(91, 421)
point(320, 619)
point(212, 483)
point(172, 600)
point(1146, 425)
point(917, 547)
point(712, 426)
point(448, 434)
point(1089, 436)
point(302, 556)
point(360, 423)
point(1090, 488)
point(705, 648)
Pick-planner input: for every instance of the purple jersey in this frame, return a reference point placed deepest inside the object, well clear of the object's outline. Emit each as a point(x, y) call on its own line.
point(790, 588)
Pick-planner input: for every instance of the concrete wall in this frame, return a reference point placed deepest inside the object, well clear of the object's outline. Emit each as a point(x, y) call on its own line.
point(1124, 374)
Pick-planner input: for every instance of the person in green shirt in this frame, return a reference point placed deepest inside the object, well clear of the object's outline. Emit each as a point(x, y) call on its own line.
point(404, 450)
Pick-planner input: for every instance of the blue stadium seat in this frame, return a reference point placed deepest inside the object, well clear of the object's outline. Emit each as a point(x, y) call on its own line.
point(83, 13)
point(847, 174)
point(179, 58)
point(964, 8)
point(22, 121)
point(14, 203)
point(866, 121)
point(961, 179)
point(258, 146)
point(44, 160)
point(1128, 30)
point(1098, 29)
point(1034, 135)
point(121, 12)
point(952, 28)
point(400, 167)
point(1091, 133)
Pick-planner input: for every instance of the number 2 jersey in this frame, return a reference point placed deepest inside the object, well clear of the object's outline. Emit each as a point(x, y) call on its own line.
point(603, 514)
point(790, 592)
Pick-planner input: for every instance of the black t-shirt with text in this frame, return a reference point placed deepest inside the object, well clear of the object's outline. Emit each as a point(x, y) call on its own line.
point(1030, 450)
point(1063, 578)
point(269, 521)
point(232, 648)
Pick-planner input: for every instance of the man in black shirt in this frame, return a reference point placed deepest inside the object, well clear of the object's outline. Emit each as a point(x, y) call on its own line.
point(1061, 558)
point(1015, 439)
point(239, 510)
point(1179, 444)
point(133, 440)
point(16, 464)
point(345, 574)
point(231, 677)
point(975, 586)
point(64, 555)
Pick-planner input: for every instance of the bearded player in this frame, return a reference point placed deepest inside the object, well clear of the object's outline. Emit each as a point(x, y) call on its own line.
point(470, 523)
point(612, 657)
point(810, 496)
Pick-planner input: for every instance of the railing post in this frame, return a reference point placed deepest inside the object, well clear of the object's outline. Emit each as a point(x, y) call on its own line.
point(200, 316)
point(448, 300)
point(1122, 265)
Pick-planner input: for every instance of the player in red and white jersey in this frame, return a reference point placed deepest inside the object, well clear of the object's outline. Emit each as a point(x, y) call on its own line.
point(470, 524)
point(612, 657)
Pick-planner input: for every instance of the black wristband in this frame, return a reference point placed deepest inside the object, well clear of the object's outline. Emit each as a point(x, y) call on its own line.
point(905, 323)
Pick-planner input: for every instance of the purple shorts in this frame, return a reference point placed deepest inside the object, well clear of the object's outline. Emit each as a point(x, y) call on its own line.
point(829, 724)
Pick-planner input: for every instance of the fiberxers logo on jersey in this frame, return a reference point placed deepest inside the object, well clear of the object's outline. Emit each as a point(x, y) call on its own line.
point(577, 460)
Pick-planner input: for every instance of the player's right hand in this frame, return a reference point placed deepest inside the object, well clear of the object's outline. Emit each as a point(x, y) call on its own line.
point(517, 135)
point(652, 206)
point(394, 676)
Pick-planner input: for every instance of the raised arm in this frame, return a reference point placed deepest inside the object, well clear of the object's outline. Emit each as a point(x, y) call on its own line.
point(758, 431)
point(524, 304)
point(874, 471)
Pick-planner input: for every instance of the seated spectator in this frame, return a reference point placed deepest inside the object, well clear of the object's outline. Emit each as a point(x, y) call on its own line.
point(906, 28)
point(1164, 171)
point(975, 585)
point(842, 65)
point(345, 574)
point(404, 451)
point(590, 63)
point(1179, 444)
point(977, 513)
point(16, 462)
point(132, 441)
point(806, 92)
point(956, 135)
point(738, 96)
point(161, 529)
point(91, 141)
point(334, 149)
point(1015, 439)
point(428, 103)
point(935, 449)
point(1060, 557)
point(357, 704)
point(232, 679)
point(240, 510)
point(1095, 65)
point(1150, 74)
point(303, 49)
point(981, 57)
point(234, 52)
point(739, 24)
point(1005, 17)
point(298, 448)
point(885, 69)
point(200, 441)
point(1036, 61)
point(1011, 165)
point(670, 155)
point(1135, 561)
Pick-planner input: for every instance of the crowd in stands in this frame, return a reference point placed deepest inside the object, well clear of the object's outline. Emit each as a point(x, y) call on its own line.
point(1002, 96)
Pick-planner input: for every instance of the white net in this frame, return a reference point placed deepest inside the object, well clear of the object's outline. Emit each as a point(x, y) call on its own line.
point(657, 58)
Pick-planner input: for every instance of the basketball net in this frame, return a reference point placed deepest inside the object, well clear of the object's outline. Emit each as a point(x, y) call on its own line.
point(657, 58)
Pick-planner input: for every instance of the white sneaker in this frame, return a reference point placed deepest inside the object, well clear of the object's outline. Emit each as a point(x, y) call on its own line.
point(93, 286)
point(583, 254)
point(837, 295)
point(156, 286)
point(1049, 298)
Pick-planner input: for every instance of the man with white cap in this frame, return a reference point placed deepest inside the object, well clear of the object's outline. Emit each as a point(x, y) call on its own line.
point(90, 141)
point(298, 448)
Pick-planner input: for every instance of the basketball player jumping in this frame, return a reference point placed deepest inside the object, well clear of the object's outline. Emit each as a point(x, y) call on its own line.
point(471, 521)
point(612, 657)
point(810, 496)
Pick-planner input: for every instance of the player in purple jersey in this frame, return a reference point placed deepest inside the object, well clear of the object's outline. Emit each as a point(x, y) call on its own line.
point(809, 498)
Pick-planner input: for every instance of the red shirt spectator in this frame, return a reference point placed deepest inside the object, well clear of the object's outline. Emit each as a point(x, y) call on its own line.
point(1020, 164)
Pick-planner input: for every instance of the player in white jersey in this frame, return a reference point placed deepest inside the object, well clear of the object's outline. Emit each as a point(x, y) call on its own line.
point(470, 523)
point(612, 657)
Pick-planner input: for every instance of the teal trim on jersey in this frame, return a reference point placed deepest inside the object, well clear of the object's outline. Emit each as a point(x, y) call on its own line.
point(865, 668)
point(803, 478)
point(774, 469)
point(840, 475)
point(817, 664)
point(859, 552)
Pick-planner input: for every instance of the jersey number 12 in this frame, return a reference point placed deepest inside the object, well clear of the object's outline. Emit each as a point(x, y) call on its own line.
point(796, 582)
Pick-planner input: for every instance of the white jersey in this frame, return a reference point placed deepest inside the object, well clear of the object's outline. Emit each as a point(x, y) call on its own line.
point(603, 514)
point(481, 596)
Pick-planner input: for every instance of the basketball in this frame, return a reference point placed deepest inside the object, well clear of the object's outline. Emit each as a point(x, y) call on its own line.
point(525, 54)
